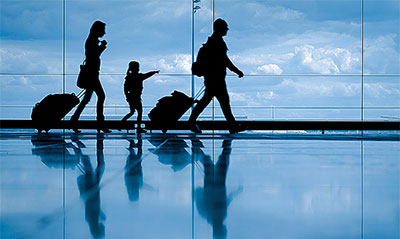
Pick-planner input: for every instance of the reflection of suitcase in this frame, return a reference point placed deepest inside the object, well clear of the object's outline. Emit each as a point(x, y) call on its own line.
point(53, 108)
point(170, 108)
point(54, 151)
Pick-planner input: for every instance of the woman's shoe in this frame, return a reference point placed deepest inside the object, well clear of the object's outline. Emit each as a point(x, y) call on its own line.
point(74, 122)
point(195, 129)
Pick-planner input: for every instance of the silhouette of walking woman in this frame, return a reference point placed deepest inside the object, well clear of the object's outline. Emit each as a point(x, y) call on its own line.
point(214, 77)
point(93, 49)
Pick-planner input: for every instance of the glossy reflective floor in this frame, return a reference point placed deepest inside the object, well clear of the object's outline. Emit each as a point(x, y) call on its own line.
point(252, 185)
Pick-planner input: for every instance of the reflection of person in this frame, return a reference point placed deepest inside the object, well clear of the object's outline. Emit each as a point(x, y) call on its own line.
point(133, 88)
point(214, 77)
point(89, 188)
point(93, 49)
point(133, 170)
point(211, 200)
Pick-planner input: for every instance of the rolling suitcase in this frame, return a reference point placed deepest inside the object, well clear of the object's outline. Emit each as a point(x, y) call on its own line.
point(52, 109)
point(169, 109)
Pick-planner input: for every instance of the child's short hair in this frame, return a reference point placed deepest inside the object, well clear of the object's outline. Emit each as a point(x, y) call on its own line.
point(133, 64)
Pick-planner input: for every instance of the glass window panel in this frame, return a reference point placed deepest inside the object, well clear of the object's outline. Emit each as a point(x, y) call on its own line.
point(293, 37)
point(30, 54)
point(296, 97)
point(382, 60)
point(381, 37)
point(19, 93)
point(156, 34)
point(31, 37)
point(382, 97)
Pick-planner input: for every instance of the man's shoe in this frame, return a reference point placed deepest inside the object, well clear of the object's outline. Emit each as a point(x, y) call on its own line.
point(236, 129)
point(195, 129)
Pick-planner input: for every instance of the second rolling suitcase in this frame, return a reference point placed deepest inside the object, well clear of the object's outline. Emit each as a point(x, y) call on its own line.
point(169, 109)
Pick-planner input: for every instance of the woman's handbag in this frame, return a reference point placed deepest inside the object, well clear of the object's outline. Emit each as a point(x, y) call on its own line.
point(83, 77)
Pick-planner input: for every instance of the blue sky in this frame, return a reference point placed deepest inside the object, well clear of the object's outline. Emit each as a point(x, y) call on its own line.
point(265, 38)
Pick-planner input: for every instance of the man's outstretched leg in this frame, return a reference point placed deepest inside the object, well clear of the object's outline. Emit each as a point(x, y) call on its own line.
point(200, 106)
point(223, 99)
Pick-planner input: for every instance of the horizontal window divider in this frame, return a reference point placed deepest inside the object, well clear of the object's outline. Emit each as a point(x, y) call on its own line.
point(214, 125)
point(186, 74)
point(247, 107)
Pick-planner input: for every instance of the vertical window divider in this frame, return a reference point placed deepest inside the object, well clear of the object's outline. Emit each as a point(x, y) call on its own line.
point(63, 91)
point(362, 60)
point(63, 46)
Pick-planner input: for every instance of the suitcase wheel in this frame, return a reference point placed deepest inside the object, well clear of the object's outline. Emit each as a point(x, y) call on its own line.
point(45, 130)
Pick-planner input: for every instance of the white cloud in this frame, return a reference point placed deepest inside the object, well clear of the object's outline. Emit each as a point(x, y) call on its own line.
point(177, 63)
point(183, 62)
point(324, 88)
point(300, 60)
point(262, 59)
point(377, 90)
point(241, 98)
point(163, 10)
point(238, 97)
point(32, 20)
point(17, 60)
point(270, 69)
point(286, 14)
point(324, 61)
point(266, 12)
point(317, 37)
point(17, 81)
point(315, 59)
point(266, 95)
point(382, 55)
point(161, 81)
point(164, 66)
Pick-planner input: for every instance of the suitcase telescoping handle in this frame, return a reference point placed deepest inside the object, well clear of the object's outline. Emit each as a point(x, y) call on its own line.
point(80, 94)
point(199, 93)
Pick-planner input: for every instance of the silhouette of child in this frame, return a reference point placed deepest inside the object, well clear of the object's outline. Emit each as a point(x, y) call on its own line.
point(133, 88)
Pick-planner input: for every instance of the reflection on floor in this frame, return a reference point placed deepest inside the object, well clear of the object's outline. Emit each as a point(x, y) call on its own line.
point(250, 185)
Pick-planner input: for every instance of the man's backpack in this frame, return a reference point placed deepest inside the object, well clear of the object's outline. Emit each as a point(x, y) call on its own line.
point(199, 67)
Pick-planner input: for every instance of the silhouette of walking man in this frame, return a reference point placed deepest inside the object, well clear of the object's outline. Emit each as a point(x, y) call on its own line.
point(214, 77)
point(93, 49)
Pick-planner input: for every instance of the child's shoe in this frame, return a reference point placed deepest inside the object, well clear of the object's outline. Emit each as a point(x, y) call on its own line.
point(140, 131)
